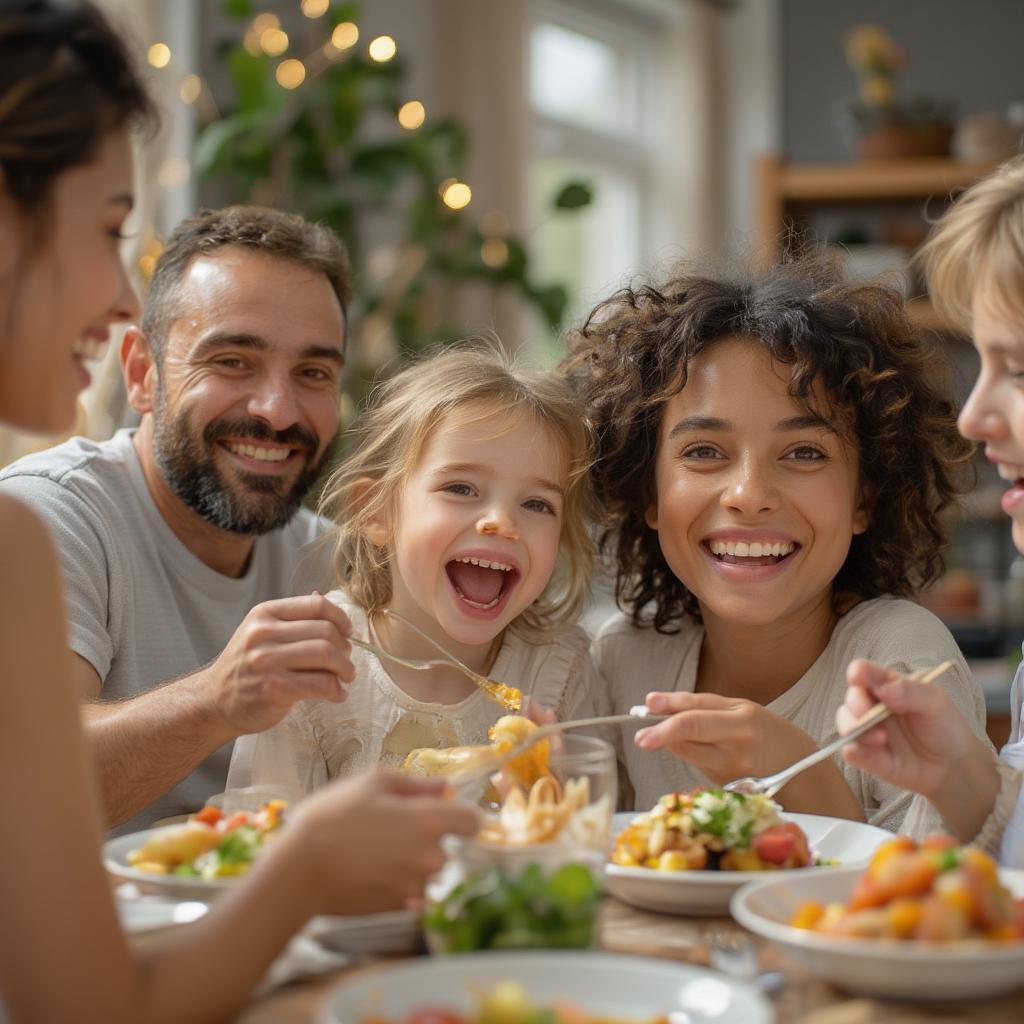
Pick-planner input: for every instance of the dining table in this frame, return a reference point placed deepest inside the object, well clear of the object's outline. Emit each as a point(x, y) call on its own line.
point(796, 995)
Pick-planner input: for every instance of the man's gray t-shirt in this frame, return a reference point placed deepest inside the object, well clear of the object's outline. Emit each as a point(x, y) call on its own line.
point(142, 609)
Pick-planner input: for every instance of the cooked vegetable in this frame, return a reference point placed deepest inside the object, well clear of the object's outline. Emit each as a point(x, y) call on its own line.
point(712, 829)
point(934, 891)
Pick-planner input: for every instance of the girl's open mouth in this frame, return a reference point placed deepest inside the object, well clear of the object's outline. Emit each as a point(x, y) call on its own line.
point(480, 583)
point(751, 554)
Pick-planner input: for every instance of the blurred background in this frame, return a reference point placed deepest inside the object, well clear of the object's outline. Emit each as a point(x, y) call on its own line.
point(498, 166)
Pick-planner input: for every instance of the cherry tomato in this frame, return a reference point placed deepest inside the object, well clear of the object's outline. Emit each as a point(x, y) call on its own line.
point(209, 815)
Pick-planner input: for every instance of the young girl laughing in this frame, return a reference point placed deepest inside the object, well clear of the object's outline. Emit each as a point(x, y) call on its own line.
point(773, 459)
point(462, 508)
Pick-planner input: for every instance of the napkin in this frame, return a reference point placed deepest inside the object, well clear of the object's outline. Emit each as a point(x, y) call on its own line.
point(303, 957)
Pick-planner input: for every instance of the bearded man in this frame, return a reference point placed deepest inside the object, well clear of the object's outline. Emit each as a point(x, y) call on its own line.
point(189, 563)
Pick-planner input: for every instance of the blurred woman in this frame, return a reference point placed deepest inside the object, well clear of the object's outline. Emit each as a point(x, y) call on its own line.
point(69, 98)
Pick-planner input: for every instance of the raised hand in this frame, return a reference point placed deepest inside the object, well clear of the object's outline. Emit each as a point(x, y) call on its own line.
point(370, 843)
point(284, 651)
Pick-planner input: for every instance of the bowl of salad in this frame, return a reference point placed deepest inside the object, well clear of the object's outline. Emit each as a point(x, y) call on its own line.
point(532, 877)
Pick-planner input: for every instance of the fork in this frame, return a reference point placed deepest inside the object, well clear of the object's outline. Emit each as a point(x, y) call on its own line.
point(508, 697)
point(769, 785)
point(637, 713)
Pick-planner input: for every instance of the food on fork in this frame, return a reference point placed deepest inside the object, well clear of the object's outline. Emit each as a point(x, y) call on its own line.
point(508, 732)
point(935, 892)
point(211, 844)
point(709, 829)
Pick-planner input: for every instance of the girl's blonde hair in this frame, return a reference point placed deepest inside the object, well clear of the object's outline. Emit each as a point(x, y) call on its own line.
point(979, 243)
point(389, 437)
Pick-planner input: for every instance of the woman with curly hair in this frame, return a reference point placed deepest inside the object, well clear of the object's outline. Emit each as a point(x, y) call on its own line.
point(774, 458)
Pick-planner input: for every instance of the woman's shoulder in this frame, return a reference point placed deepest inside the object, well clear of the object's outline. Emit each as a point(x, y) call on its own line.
point(892, 623)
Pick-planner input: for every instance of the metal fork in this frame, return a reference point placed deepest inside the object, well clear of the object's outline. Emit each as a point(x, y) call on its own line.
point(769, 785)
point(508, 697)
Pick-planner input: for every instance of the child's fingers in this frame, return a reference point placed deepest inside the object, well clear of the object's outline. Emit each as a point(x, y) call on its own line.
point(869, 676)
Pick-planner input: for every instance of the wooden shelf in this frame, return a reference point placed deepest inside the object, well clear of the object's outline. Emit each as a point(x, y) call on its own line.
point(875, 179)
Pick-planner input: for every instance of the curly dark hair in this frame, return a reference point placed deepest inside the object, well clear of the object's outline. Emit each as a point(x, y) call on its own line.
point(886, 387)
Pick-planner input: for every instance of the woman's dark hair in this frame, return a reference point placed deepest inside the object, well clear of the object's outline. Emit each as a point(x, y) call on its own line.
point(877, 374)
point(66, 81)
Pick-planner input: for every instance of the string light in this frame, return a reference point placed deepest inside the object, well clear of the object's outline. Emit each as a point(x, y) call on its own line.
point(290, 73)
point(265, 21)
point(251, 42)
point(455, 194)
point(411, 115)
point(494, 224)
point(315, 8)
point(173, 171)
point(273, 42)
point(191, 87)
point(147, 261)
point(159, 55)
point(345, 35)
point(494, 252)
point(382, 49)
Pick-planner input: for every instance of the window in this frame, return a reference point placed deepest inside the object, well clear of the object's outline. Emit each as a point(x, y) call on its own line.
point(590, 82)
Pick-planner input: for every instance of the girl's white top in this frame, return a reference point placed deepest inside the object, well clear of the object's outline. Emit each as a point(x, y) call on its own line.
point(379, 723)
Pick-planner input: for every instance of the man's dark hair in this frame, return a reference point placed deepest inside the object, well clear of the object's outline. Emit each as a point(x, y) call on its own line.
point(284, 236)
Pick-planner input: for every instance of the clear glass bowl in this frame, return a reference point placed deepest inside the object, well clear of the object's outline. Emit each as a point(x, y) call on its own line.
point(532, 878)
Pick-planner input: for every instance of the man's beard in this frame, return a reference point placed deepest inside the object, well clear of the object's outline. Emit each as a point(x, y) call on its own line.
point(258, 503)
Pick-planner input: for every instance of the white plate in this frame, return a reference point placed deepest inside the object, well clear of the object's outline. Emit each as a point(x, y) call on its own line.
point(902, 970)
point(607, 983)
point(708, 892)
point(393, 932)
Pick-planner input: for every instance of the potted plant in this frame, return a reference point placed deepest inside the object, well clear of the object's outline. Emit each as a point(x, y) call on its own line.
point(887, 127)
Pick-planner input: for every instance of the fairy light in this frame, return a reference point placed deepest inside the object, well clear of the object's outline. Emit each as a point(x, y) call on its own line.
point(147, 261)
point(191, 87)
point(382, 49)
point(173, 171)
point(345, 35)
point(290, 73)
point(262, 22)
point(411, 115)
point(273, 42)
point(456, 195)
point(494, 252)
point(159, 55)
point(494, 224)
point(251, 42)
point(315, 8)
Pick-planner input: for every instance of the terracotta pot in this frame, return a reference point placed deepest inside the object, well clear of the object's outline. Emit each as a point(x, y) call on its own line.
point(898, 140)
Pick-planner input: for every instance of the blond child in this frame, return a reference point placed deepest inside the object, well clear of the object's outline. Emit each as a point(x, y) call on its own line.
point(974, 261)
point(462, 508)
point(773, 460)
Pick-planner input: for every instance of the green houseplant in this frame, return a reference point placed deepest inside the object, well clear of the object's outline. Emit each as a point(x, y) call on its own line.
point(304, 134)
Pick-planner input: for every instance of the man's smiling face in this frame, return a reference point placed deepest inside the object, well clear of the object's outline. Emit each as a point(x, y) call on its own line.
point(248, 388)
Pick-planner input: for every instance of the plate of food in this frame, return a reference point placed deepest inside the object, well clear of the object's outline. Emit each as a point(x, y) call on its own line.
point(933, 922)
point(199, 859)
point(557, 987)
point(692, 851)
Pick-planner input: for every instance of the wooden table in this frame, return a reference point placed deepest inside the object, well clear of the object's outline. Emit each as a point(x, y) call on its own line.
point(803, 999)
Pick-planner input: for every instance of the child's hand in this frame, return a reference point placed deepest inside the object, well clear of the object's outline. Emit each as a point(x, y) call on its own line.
point(728, 738)
point(369, 843)
point(919, 745)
